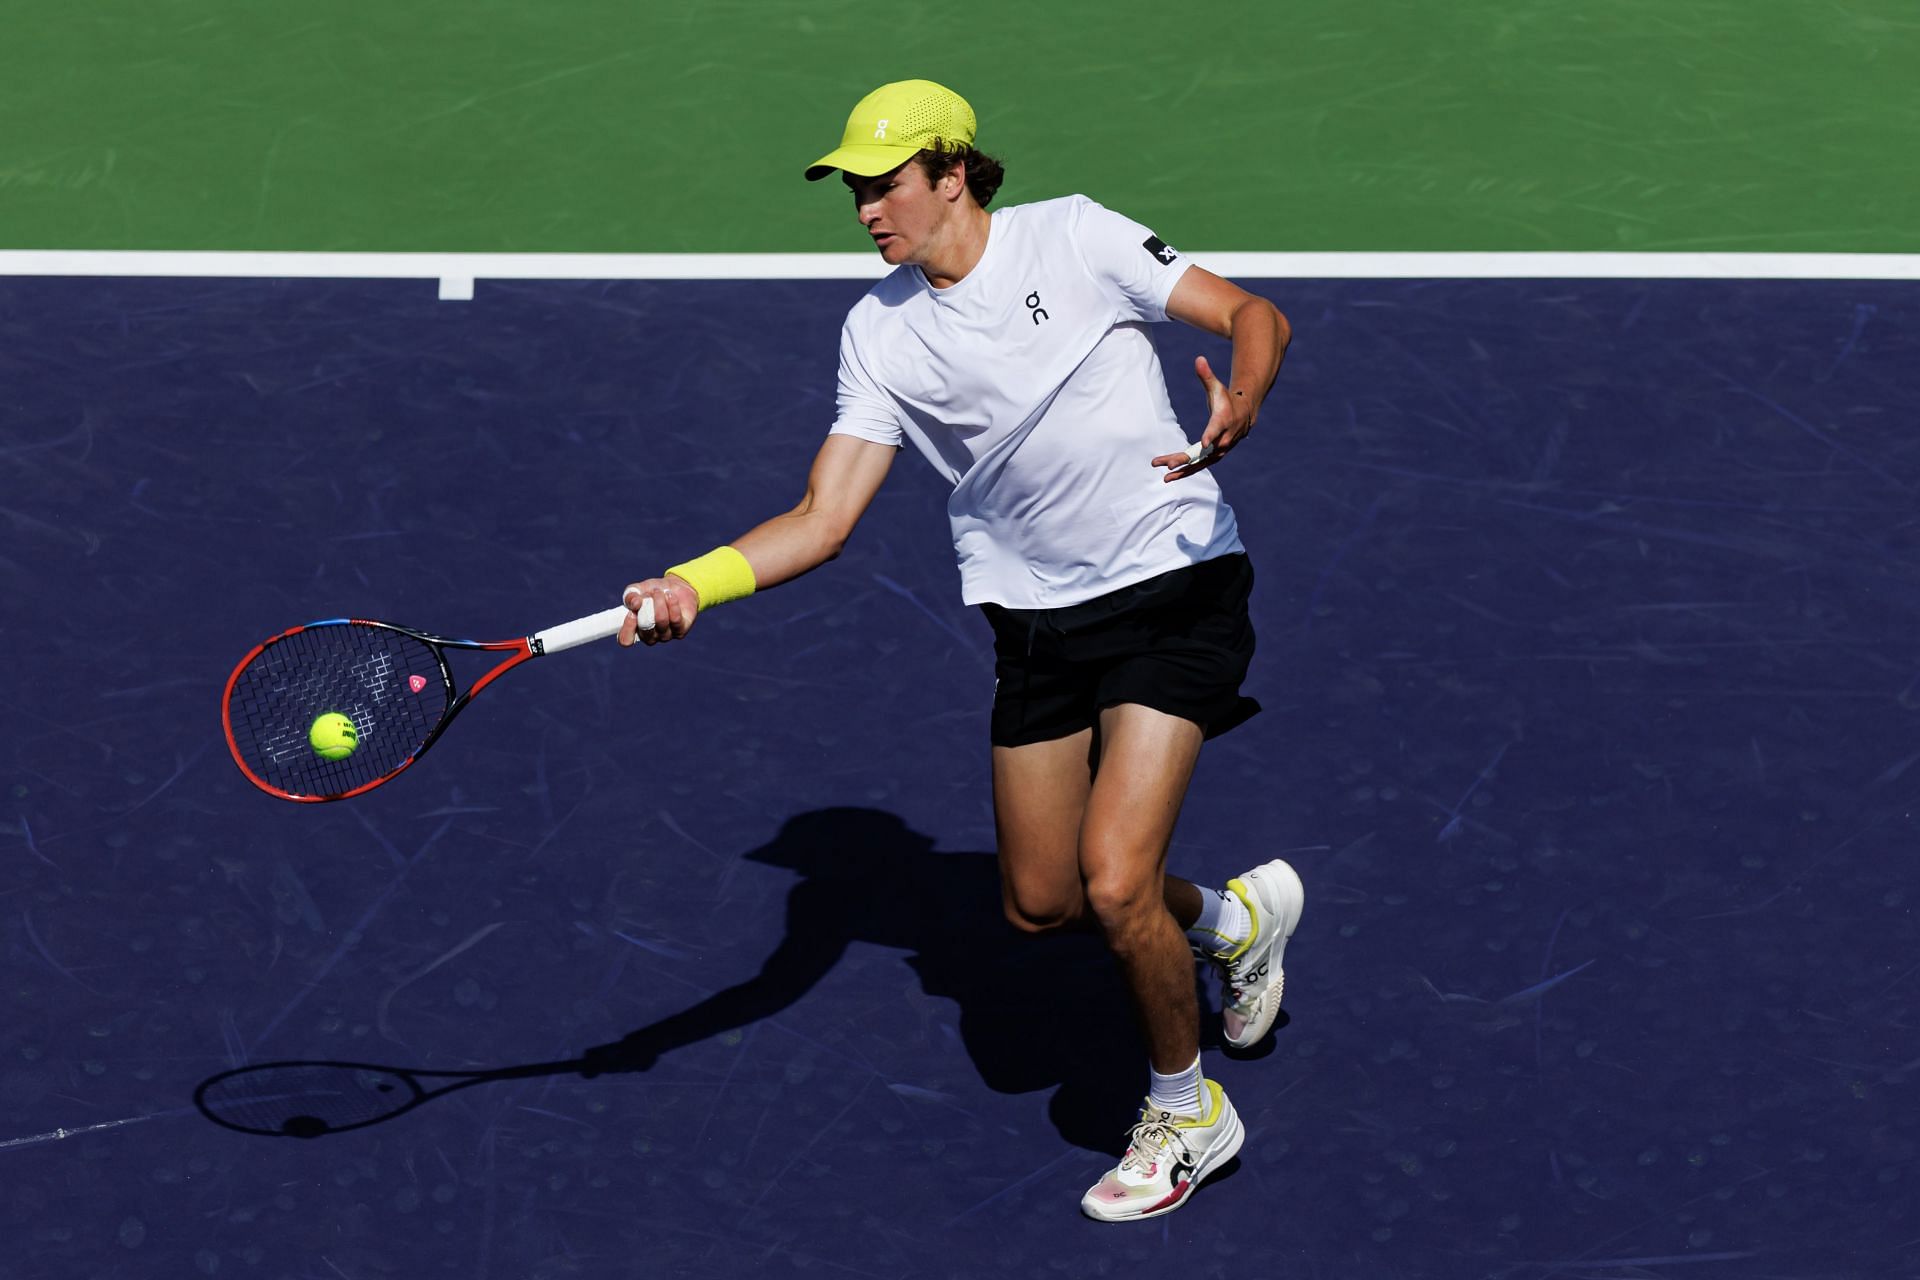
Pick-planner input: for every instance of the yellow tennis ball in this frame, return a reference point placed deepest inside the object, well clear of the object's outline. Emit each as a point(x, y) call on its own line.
point(333, 737)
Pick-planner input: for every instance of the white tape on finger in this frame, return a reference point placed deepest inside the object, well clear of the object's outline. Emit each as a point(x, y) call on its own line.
point(646, 614)
point(1198, 451)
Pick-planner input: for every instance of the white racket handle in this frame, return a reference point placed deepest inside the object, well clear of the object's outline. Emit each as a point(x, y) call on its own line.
point(595, 626)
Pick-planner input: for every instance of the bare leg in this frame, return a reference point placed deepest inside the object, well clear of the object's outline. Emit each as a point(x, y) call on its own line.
point(1146, 760)
point(1183, 901)
point(1075, 844)
point(1039, 802)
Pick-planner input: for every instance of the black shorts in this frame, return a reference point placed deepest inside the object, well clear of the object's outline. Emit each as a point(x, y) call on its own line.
point(1179, 643)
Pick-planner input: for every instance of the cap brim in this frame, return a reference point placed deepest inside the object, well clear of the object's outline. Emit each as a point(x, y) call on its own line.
point(861, 161)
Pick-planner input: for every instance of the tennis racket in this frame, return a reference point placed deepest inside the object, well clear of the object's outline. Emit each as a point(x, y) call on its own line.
point(392, 683)
point(313, 1099)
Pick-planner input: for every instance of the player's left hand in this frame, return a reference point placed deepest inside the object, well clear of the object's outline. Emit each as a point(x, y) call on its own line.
point(1230, 418)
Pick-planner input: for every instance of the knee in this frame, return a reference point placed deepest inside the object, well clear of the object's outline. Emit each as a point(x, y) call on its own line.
point(1036, 913)
point(1120, 899)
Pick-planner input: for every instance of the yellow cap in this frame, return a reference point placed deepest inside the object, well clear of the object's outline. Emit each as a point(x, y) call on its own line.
point(892, 123)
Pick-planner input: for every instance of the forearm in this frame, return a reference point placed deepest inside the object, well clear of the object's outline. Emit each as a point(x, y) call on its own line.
point(783, 548)
point(846, 474)
point(1260, 335)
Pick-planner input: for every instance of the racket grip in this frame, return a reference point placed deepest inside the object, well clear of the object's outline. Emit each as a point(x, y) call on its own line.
point(595, 626)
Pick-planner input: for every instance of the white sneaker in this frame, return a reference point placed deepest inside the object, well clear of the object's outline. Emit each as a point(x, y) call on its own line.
point(1251, 977)
point(1167, 1156)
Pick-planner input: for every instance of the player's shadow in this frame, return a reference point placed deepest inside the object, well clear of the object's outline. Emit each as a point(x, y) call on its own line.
point(1034, 1012)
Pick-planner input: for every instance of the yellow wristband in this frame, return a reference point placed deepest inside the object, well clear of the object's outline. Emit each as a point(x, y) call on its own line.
point(721, 575)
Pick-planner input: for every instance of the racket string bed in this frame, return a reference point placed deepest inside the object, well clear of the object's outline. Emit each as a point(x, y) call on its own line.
point(307, 1099)
point(391, 685)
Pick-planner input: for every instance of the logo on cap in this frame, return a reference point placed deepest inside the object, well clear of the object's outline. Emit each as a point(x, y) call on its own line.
point(926, 113)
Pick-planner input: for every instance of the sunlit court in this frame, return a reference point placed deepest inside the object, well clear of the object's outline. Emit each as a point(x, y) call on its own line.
point(1586, 553)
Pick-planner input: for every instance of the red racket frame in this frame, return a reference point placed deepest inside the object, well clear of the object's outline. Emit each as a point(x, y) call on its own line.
point(568, 635)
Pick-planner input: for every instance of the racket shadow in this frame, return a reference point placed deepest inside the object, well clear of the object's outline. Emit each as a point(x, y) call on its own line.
point(1033, 1012)
point(318, 1098)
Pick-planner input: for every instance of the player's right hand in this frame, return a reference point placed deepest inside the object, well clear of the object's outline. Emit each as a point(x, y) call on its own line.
point(636, 1052)
point(675, 605)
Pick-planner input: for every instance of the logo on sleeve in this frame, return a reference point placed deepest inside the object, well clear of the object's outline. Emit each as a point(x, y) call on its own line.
point(1160, 249)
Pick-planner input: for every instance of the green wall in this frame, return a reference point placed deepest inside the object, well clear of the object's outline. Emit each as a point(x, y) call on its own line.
point(587, 125)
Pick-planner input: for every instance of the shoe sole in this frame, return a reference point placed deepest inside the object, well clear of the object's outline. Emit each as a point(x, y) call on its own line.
point(1293, 895)
point(1208, 1166)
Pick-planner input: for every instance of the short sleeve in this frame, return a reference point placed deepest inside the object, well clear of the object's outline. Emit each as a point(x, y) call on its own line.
point(1137, 265)
point(862, 409)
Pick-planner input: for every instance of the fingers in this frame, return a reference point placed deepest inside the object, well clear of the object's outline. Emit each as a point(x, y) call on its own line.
point(1230, 417)
point(649, 601)
point(1197, 452)
point(1190, 461)
point(1228, 421)
point(1216, 441)
point(634, 597)
point(663, 609)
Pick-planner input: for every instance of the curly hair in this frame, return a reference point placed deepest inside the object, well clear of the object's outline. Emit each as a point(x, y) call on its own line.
point(984, 173)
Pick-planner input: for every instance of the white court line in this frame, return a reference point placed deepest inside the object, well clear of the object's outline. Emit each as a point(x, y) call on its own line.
point(57, 1135)
point(457, 272)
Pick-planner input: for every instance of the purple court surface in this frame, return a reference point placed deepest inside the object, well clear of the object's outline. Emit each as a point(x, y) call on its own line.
point(1588, 618)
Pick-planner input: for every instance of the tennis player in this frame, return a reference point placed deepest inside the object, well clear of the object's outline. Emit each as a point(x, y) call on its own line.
point(1011, 349)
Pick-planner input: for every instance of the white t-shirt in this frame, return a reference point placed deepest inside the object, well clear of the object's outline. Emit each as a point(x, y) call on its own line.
point(1033, 387)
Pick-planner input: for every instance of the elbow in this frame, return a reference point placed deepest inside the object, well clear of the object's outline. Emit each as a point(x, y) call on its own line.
point(836, 540)
point(823, 530)
point(833, 536)
point(1282, 330)
point(1255, 313)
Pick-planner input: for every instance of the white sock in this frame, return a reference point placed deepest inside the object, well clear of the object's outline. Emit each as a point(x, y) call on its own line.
point(1224, 922)
point(1179, 1092)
